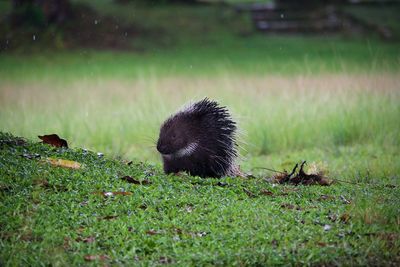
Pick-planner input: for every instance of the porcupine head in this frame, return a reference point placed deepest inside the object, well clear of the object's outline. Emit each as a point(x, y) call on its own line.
point(199, 139)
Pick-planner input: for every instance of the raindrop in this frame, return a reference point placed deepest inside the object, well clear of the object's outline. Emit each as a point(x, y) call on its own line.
point(95, 21)
point(34, 37)
point(282, 16)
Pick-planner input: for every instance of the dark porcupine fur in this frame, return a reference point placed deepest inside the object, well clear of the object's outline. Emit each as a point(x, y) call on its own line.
point(200, 140)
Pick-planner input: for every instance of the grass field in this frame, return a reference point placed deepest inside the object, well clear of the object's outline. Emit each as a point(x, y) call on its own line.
point(333, 101)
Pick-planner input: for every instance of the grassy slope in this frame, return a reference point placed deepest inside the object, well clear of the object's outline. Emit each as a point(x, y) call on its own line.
point(198, 222)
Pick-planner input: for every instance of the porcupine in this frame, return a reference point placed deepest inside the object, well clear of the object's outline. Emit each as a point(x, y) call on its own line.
point(199, 139)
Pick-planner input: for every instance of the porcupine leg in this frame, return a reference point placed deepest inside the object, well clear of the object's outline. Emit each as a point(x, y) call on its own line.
point(170, 167)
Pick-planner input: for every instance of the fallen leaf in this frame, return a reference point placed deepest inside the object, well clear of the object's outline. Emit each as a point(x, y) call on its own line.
point(53, 140)
point(344, 217)
point(322, 244)
point(64, 163)
point(152, 232)
point(96, 257)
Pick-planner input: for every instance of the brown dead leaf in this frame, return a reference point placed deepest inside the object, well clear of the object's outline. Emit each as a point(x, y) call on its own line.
point(96, 257)
point(152, 232)
point(53, 140)
point(322, 244)
point(64, 163)
point(344, 217)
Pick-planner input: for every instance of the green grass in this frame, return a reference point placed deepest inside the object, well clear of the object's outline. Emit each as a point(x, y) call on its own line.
point(197, 222)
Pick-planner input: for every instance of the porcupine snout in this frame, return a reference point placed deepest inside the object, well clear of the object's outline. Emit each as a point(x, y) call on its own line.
point(162, 148)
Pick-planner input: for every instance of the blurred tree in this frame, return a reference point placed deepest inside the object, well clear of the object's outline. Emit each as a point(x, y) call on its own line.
point(39, 13)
